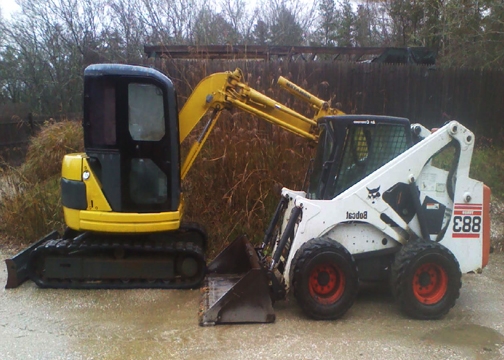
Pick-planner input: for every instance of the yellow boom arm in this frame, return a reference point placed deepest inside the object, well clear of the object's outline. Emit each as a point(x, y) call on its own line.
point(226, 91)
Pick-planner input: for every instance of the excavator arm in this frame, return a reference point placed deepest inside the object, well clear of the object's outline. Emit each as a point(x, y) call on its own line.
point(227, 90)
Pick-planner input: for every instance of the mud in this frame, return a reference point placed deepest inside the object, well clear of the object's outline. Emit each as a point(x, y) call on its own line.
point(163, 324)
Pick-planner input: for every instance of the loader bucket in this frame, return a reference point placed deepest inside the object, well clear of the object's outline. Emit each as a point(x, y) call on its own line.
point(17, 266)
point(236, 288)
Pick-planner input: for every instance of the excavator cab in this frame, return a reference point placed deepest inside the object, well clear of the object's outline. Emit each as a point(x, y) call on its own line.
point(131, 137)
point(131, 163)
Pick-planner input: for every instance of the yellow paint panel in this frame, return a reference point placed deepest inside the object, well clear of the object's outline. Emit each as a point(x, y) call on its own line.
point(72, 218)
point(203, 97)
point(130, 228)
point(71, 168)
point(129, 218)
point(96, 201)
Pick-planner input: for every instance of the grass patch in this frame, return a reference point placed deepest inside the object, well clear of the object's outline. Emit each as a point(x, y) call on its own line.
point(487, 165)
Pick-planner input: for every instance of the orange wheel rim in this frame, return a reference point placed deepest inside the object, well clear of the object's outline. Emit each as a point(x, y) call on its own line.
point(326, 283)
point(430, 283)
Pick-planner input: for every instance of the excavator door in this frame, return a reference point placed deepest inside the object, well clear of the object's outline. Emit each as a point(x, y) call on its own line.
point(131, 137)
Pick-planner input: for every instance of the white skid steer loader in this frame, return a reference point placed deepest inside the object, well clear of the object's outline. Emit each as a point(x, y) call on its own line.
point(386, 202)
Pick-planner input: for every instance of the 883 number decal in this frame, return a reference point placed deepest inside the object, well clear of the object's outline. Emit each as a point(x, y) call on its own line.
point(467, 222)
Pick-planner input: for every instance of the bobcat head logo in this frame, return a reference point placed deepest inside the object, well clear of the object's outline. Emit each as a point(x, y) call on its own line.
point(373, 194)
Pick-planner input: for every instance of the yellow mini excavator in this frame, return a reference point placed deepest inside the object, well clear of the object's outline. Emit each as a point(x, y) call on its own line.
point(122, 198)
point(387, 201)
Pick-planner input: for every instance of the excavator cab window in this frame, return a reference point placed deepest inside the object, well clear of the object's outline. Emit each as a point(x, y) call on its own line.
point(146, 122)
point(145, 112)
point(101, 112)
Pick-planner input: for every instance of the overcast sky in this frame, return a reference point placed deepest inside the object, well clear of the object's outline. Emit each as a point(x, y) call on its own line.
point(8, 7)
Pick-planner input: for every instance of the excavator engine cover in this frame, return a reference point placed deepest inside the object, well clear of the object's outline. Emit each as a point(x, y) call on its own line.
point(236, 288)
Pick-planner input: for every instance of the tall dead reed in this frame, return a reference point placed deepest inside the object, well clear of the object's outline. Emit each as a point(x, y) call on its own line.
point(234, 185)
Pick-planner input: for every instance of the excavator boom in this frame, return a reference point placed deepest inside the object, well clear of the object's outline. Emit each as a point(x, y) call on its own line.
point(227, 90)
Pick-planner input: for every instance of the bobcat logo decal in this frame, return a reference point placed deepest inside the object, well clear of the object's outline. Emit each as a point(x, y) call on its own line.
point(373, 194)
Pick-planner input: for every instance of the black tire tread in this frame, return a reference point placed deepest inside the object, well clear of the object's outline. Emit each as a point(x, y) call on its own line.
point(401, 266)
point(303, 255)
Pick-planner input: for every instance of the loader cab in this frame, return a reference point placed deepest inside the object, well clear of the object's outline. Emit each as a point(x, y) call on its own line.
point(352, 147)
point(131, 137)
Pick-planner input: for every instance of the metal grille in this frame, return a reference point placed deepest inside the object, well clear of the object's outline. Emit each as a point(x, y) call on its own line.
point(368, 148)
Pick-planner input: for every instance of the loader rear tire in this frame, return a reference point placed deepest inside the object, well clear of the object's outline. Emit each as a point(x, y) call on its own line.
point(426, 280)
point(324, 279)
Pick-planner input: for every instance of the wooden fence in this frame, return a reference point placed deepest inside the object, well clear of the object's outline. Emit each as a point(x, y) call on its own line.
point(423, 94)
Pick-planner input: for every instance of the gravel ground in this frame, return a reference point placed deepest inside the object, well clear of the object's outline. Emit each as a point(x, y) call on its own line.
point(162, 324)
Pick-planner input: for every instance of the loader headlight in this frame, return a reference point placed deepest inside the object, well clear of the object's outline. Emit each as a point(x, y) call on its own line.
point(86, 175)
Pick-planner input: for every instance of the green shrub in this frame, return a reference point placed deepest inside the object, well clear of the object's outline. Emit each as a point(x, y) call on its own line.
point(487, 165)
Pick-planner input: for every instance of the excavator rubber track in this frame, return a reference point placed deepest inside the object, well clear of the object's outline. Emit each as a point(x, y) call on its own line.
point(167, 260)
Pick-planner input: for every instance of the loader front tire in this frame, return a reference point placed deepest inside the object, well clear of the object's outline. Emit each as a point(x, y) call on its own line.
point(426, 279)
point(324, 279)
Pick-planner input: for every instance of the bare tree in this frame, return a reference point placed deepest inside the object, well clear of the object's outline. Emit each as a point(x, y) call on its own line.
point(169, 21)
